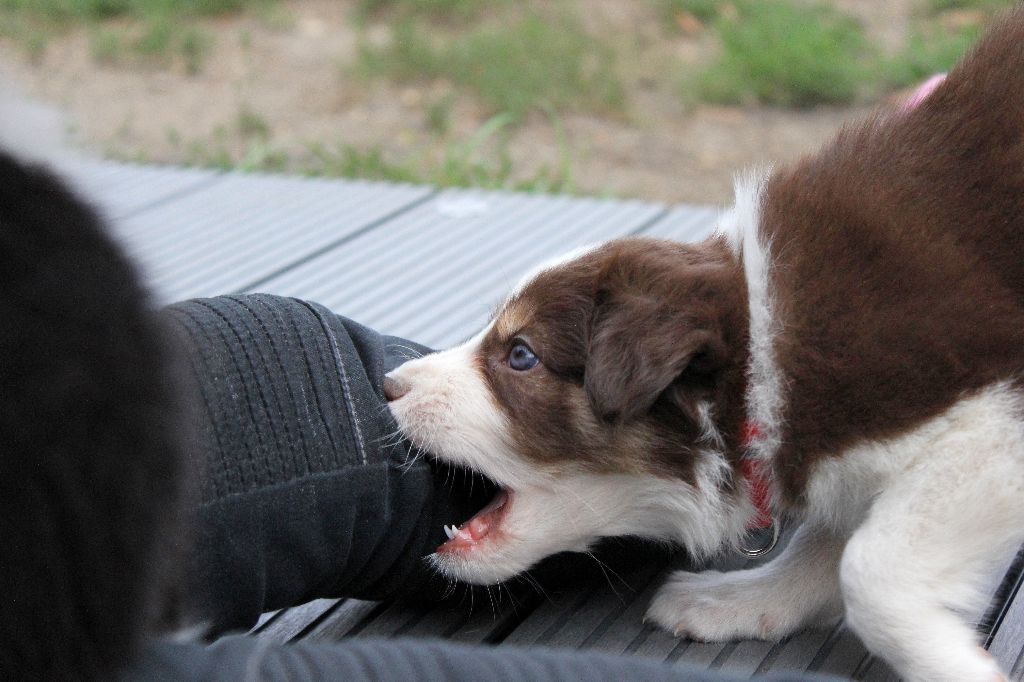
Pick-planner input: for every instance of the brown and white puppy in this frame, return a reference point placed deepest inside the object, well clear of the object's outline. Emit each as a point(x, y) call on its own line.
point(864, 309)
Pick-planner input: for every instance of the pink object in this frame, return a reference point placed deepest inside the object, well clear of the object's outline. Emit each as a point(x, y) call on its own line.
point(923, 91)
point(758, 479)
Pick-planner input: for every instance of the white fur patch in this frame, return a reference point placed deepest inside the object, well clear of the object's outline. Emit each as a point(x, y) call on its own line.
point(982, 428)
point(574, 510)
point(741, 229)
point(451, 412)
point(709, 433)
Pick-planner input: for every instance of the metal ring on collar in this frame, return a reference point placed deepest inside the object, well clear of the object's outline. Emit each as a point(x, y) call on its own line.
point(769, 534)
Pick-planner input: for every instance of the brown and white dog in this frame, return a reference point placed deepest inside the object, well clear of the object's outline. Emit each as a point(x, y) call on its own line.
point(863, 309)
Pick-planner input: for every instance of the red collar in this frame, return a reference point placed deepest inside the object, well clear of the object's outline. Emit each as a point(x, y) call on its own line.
point(756, 474)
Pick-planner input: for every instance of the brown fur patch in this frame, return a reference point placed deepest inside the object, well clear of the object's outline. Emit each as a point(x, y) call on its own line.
point(631, 337)
point(898, 261)
point(514, 316)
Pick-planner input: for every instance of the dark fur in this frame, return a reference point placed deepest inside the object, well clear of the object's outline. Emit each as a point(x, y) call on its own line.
point(898, 257)
point(89, 429)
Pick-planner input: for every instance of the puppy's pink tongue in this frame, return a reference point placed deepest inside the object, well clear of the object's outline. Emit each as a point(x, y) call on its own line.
point(477, 528)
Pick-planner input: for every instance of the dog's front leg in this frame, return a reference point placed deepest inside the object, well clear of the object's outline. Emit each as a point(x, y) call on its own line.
point(767, 602)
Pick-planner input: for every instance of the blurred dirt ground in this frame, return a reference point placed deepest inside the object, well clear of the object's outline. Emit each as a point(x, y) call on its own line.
point(293, 81)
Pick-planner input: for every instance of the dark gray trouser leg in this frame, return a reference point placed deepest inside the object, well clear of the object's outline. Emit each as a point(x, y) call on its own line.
point(237, 658)
point(305, 490)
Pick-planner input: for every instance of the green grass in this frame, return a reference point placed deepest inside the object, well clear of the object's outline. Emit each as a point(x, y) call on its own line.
point(107, 46)
point(249, 123)
point(347, 161)
point(60, 11)
point(157, 37)
point(194, 45)
point(156, 42)
point(792, 54)
point(153, 31)
point(74, 11)
point(784, 53)
point(436, 10)
point(67, 11)
point(439, 115)
point(928, 52)
point(937, 6)
point(526, 64)
point(934, 45)
point(798, 53)
point(483, 159)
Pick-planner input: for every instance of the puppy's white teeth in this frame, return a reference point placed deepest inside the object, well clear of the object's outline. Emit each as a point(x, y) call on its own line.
point(449, 531)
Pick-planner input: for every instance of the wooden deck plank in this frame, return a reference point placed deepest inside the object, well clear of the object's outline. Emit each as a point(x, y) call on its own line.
point(657, 644)
point(265, 620)
point(231, 235)
point(435, 273)
point(796, 652)
point(623, 635)
point(476, 623)
point(486, 626)
point(747, 656)
point(292, 622)
point(1008, 642)
point(1006, 639)
point(597, 615)
point(121, 190)
point(843, 656)
point(609, 600)
point(393, 620)
point(551, 616)
point(350, 616)
point(876, 670)
point(685, 223)
point(628, 633)
point(701, 654)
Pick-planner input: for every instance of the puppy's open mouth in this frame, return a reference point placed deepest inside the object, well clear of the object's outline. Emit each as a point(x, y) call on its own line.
point(485, 525)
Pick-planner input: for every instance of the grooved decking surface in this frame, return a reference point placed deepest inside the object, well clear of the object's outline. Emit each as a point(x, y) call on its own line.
point(430, 265)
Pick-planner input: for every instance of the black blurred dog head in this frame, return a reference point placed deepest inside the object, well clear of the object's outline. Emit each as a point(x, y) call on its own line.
point(90, 465)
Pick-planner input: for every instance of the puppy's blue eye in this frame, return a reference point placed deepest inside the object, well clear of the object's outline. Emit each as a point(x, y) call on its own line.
point(522, 358)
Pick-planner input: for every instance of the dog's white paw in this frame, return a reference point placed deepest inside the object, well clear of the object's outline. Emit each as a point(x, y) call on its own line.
point(714, 606)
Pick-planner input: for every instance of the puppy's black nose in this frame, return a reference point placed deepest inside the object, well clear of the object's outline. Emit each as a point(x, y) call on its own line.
point(394, 389)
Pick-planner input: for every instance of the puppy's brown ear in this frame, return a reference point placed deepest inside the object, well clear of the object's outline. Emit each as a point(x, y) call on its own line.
point(639, 346)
